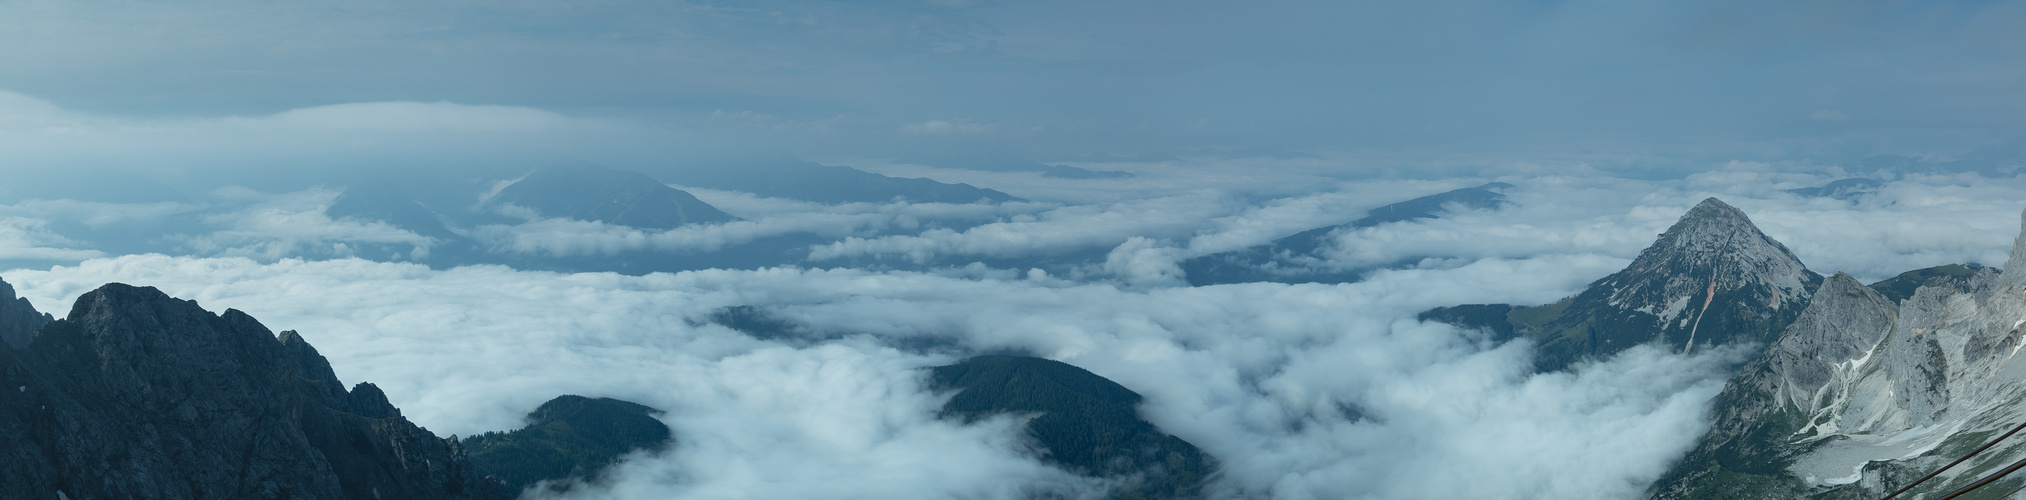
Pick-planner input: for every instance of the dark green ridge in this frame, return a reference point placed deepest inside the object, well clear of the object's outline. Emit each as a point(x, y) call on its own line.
point(570, 437)
point(1292, 259)
point(1085, 423)
point(1899, 288)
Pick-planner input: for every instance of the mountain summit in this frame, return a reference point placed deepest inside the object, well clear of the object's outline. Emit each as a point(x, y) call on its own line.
point(1866, 394)
point(1711, 279)
point(140, 395)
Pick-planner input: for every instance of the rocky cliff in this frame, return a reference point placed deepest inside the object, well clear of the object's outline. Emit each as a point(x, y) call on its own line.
point(1712, 279)
point(1887, 394)
point(18, 319)
point(136, 394)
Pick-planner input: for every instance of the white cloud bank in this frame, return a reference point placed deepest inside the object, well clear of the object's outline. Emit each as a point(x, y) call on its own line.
point(1305, 391)
point(1301, 391)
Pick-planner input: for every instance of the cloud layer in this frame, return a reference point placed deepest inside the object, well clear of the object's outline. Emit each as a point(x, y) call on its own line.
point(1302, 391)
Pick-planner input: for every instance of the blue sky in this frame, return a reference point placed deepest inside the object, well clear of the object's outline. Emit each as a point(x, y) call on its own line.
point(1746, 79)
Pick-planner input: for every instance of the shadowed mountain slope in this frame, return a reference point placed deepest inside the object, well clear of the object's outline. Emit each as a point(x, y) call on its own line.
point(1712, 279)
point(379, 201)
point(1085, 423)
point(1301, 258)
point(138, 395)
point(568, 438)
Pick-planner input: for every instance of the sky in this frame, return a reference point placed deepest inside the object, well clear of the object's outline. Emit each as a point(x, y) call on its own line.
point(1744, 80)
point(223, 131)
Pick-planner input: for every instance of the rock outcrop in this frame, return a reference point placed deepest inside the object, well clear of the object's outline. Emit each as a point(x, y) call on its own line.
point(1712, 279)
point(18, 319)
point(1890, 393)
point(1781, 395)
point(139, 395)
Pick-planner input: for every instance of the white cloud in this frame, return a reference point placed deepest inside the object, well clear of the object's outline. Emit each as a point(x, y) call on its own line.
point(1258, 375)
point(763, 217)
point(1303, 391)
point(1051, 232)
point(23, 238)
point(294, 225)
point(412, 117)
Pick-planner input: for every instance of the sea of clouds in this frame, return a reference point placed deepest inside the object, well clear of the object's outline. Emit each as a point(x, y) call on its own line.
point(1301, 391)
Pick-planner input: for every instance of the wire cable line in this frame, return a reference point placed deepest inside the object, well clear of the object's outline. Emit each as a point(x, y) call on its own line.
point(1937, 472)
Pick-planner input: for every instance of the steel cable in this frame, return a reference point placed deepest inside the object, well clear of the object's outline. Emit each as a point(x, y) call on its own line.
point(1986, 480)
point(1937, 472)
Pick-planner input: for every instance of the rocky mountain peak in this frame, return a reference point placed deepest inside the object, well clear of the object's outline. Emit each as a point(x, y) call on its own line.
point(1712, 249)
point(137, 394)
point(2015, 267)
point(18, 319)
point(1711, 279)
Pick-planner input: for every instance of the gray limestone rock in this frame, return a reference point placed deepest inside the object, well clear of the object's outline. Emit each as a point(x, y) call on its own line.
point(1780, 395)
point(1945, 377)
point(1712, 279)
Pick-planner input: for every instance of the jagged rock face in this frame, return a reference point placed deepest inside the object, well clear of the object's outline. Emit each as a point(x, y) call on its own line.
point(1711, 279)
point(1781, 395)
point(18, 319)
point(139, 395)
point(1945, 377)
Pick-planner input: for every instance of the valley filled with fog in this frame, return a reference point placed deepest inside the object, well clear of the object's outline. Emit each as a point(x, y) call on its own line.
point(1300, 389)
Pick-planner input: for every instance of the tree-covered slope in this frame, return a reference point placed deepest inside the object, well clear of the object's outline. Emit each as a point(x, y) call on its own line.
point(569, 437)
point(1085, 423)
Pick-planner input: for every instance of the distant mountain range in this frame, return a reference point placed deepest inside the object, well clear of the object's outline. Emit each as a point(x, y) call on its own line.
point(598, 194)
point(1302, 257)
point(625, 200)
point(1843, 189)
point(804, 180)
